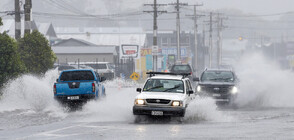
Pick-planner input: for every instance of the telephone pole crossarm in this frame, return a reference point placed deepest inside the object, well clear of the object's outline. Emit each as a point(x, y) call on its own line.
point(177, 6)
point(195, 17)
point(155, 12)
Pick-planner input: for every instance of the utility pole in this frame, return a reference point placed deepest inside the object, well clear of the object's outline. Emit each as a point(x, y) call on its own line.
point(210, 40)
point(28, 10)
point(155, 30)
point(220, 28)
point(178, 4)
point(195, 16)
point(17, 20)
point(219, 20)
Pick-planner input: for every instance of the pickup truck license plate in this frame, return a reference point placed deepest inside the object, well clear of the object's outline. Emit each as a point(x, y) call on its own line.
point(73, 97)
point(156, 113)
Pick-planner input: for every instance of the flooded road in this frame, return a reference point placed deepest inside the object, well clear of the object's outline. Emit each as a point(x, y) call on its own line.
point(265, 111)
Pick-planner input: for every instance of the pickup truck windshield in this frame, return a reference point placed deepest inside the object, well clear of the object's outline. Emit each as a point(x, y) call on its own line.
point(76, 75)
point(218, 76)
point(164, 85)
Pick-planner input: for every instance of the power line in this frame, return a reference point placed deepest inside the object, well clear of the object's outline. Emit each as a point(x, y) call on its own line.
point(85, 16)
point(62, 7)
point(264, 15)
point(72, 7)
point(177, 7)
point(254, 28)
point(195, 17)
point(248, 16)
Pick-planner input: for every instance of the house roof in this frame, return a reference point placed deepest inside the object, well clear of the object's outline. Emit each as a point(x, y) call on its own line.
point(105, 36)
point(74, 42)
point(84, 50)
point(109, 39)
point(44, 28)
point(97, 30)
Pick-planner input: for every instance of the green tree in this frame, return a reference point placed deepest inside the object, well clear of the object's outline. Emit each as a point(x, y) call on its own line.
point(36, 53)
point(11, 65)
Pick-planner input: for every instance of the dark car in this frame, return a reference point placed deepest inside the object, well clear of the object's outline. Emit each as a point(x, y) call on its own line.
point(183, 68)
point(221, 84)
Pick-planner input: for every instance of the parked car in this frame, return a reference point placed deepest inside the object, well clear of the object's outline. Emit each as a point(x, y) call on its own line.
point(184, 68)
point(105, 69)
point(164, 94)
point(63, 67)
point(78, 86)
point(221, 84)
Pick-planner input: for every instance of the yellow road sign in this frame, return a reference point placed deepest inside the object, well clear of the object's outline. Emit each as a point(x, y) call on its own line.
point(135, 76)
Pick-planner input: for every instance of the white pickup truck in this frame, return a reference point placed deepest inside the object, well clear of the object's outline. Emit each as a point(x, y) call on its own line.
point(164, 94)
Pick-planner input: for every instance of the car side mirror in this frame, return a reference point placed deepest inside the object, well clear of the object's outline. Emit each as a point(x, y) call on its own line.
point(102, 79)
point(190, 92)
point(56, 80)
point(196, 79)
point(139, 90)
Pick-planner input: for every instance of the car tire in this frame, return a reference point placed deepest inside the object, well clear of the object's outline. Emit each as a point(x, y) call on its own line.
point(138, 118)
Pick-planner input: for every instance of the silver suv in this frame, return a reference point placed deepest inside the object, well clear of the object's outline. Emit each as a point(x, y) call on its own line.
point(104, 69)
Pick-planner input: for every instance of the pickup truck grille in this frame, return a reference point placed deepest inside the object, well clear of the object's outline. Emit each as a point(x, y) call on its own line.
point(216, 89)
point(157, 101)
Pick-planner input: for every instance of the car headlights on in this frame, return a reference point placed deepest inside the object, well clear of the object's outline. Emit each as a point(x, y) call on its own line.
point(139, 102)
point(234, 90)
point(198, 88)
point(177, 103)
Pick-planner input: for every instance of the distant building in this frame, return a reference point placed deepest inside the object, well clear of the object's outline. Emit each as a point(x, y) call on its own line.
point(46, 29)
point(232, 50)
point(76, 50)
point(111, 36)
point(104, 36)
point(167, 44)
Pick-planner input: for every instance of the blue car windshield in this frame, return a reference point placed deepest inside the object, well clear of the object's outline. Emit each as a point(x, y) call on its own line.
point(164, 85)
point(217, 76)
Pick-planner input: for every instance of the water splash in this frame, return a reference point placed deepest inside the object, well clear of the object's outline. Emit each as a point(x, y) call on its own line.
point(263, 83)
point(205, 109)
point(28, 100)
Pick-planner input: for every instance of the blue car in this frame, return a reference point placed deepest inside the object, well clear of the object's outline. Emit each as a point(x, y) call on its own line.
point(78, 86)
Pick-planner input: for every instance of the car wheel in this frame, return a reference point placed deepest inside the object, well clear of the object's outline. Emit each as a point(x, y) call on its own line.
point(138, 118)
point(104, 92)
point(178, 119)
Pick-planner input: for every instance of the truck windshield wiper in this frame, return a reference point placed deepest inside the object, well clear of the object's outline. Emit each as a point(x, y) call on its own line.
point(214, 79)
point(227, 78)
point(172, 88)
point(154, 88)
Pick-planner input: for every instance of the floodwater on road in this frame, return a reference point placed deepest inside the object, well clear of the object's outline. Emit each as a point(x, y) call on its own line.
point(265, 111)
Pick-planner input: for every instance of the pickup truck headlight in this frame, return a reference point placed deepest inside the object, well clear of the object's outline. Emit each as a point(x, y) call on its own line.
point(139, 102)
point(177, 103)
point(198, 88)
point(234, 90)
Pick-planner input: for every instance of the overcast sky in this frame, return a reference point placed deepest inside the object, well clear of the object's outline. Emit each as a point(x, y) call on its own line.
point(249, 6)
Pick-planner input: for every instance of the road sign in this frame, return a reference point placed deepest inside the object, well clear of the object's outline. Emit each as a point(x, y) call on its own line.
point(135, 76)
point(129, 51)
point(154, 50)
